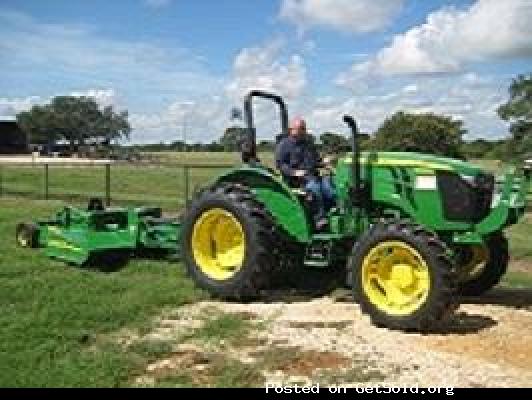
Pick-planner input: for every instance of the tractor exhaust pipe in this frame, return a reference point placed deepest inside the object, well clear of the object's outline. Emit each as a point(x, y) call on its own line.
point(355, 164)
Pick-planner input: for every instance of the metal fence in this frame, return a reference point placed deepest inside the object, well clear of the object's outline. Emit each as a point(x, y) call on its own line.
point(167, 185)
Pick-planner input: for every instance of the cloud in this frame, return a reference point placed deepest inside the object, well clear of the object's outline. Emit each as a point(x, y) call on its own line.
point(12, 106)
point(468, 97)
point(203, 122)
point(451, 38)
point(75, 55)
point(353, 16)
point(263, 68)
point(104, 97)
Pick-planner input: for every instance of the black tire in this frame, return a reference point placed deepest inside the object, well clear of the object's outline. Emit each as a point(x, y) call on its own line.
point(263, 244)
point(27, 235)
point(494, 269)
point(441, 299)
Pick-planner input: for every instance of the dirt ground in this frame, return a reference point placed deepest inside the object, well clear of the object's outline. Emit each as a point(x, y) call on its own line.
point(326, 340)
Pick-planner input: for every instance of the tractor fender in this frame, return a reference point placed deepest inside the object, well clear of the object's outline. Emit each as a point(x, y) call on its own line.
point(276, 196)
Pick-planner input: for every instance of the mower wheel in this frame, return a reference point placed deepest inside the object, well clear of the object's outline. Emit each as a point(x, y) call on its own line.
point(27, 235)
point(403, 276)
point(230, 243)
point(492, 268)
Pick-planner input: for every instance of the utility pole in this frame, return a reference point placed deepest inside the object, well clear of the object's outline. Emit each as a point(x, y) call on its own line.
point(185, 106)
point(185, 130)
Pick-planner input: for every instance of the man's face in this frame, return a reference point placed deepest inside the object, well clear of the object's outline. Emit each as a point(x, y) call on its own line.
point(298, 128)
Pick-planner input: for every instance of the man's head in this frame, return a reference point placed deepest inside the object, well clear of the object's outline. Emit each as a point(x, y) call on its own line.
point(298, 127)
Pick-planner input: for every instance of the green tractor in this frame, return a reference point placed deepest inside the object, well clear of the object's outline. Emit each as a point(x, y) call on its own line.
point(412, 231)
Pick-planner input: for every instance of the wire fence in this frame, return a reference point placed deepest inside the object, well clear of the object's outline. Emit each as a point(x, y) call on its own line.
point(166, 185)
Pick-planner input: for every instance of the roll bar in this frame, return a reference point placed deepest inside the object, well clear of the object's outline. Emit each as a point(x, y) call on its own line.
point(249, 151)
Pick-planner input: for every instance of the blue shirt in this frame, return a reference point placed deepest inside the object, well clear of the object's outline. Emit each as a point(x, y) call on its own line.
point(297, 153)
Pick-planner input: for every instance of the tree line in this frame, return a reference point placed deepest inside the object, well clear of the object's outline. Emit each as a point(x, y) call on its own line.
point(76, 121)
point(80, 120)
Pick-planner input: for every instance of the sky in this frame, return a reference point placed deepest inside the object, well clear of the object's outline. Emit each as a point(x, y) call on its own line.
point(180, 66)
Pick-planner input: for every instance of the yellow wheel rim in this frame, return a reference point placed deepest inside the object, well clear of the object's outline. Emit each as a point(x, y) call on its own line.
point(218, 244)
point(395, 278)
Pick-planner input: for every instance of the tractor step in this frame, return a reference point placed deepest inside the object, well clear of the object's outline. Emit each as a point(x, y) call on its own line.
point(318, 253)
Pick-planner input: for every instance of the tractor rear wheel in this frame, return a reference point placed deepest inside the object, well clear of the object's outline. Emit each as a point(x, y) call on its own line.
point(403, 276)
point(230, 244)
point(489, 263)
point(28, 235)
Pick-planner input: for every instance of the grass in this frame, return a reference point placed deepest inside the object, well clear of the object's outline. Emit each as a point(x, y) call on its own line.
point(222, 372)
point(223, 327)
point(53, 315)
point(520, 243)
point(518, 280)
point(55, 318)
point(162, 186)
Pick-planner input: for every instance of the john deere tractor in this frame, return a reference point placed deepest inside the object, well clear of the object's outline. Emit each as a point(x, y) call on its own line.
point(412, 231)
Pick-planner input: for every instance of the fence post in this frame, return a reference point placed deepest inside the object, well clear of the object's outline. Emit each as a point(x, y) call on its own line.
point(186, 176)
point(46, 177)
point(1, 181)
point(108, 184)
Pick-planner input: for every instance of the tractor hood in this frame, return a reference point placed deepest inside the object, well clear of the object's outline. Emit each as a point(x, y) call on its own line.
point(418, 161)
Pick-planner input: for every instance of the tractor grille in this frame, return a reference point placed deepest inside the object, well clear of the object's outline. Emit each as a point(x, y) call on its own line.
point(463, 200)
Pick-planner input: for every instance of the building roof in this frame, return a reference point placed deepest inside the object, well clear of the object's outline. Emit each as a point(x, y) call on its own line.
point(8, 118)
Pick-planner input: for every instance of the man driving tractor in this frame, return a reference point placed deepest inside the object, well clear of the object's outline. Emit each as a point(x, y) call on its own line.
point(299, 162)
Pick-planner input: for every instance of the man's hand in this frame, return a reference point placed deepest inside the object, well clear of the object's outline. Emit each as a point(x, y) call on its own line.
point(300, 173)
point(329, 161)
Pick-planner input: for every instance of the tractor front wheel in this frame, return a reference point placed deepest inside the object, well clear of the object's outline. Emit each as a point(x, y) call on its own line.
point(402, 276)
point(486, 267)
point(229, 242)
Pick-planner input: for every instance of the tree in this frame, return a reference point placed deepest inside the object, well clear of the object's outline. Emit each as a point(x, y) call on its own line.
point(232, 138)
point(266, 145)
point(74, 119)
point(424, 133)
point(478, 148)
point(334, 143)
point(518, 111)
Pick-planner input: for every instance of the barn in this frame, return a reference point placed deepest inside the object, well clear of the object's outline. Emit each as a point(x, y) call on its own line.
point(12, 139)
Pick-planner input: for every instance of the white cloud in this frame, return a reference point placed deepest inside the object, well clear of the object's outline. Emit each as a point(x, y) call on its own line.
point(452, 38)
point(467, 97)
point(262, 68)
point(355, 16)
point(265, 68)
point(12, 106)
point(203, 122)
point(104, 97)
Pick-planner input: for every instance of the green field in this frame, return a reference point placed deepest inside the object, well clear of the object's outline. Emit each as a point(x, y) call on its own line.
point(58, 321)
